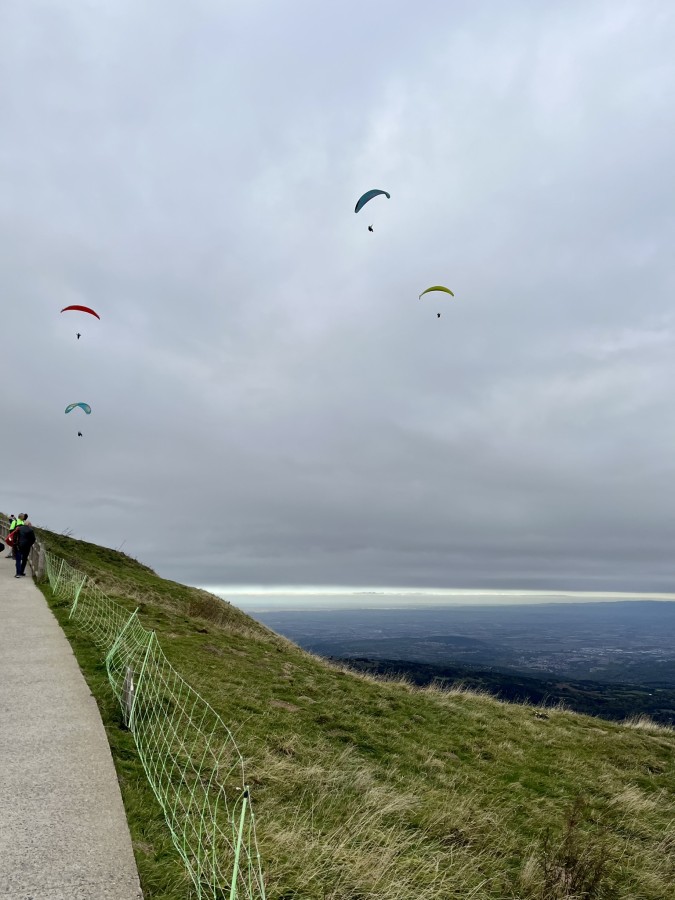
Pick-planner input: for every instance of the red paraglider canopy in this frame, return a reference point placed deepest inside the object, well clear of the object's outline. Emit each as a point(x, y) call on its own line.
point(81, 309)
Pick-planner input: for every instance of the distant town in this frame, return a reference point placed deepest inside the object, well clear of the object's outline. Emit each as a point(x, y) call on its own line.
point(615, 659)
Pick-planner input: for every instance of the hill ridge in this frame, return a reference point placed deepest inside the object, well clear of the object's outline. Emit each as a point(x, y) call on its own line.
point(365, 788)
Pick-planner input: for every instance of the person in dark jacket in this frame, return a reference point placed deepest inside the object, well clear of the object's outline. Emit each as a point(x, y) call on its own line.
point(24, 540)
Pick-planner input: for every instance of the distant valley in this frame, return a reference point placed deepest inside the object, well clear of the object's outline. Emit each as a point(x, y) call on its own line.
point(612, 659)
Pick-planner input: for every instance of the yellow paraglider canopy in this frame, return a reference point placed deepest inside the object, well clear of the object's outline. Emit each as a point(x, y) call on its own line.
point(437, 287)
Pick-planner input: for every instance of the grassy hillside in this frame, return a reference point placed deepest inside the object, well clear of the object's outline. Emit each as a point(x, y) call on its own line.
point(608, 700)
point(368, 789)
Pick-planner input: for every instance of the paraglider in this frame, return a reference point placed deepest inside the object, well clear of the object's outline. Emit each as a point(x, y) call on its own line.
point(75, 307)
point(78, 308)
point(364, 198)
point(437, 287)
point(84, 406)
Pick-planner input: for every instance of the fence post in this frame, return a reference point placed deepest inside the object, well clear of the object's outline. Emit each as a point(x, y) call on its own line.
point(76, 597)
point(128, 694)
point(117, 640)
point(34, 559)
point(42, 563)
point(58, 577)
point(237, 849)
point(138, 682)
point(48, 567)
point(51, 568)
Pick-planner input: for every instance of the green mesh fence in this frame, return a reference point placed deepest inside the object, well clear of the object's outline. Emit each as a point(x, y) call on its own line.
point(188, 753)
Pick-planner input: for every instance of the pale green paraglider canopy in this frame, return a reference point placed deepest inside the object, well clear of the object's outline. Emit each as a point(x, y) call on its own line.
point(437, 287)
point(361, 202)
point(84, 406)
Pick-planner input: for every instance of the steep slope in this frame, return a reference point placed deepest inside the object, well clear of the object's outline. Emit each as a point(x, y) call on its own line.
point(366, 789)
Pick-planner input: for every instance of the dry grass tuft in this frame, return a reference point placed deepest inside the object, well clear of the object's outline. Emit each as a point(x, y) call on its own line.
point(633, 800)
point(575, 866)
point(644, 723)
point(354, 838)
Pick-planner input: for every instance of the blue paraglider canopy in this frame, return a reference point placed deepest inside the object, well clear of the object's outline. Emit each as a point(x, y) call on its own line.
point(84, 406)
point(369, 196)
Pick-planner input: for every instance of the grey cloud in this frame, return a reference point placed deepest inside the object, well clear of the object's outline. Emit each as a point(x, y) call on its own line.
point(272, 403)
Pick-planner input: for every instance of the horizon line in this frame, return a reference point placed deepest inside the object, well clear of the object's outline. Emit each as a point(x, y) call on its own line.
point(248, 590)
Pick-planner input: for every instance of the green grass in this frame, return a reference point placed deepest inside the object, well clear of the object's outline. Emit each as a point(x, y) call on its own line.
point(375, 789)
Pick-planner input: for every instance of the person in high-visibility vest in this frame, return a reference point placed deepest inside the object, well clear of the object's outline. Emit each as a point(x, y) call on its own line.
point(13, 522)
point(13, 525)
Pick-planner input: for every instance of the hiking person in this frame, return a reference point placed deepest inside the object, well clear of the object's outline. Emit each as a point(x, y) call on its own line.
point(13, 536)
point(23, 542)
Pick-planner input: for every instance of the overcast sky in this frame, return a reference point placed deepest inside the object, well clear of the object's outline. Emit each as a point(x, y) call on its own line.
point(272, 404)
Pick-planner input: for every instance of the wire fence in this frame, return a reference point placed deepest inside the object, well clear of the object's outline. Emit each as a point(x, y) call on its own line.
point(188, 753)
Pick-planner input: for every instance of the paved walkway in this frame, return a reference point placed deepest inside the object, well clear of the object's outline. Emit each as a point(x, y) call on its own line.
point(63, 831)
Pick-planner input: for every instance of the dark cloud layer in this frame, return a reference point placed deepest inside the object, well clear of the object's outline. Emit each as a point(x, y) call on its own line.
point(272, 403)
